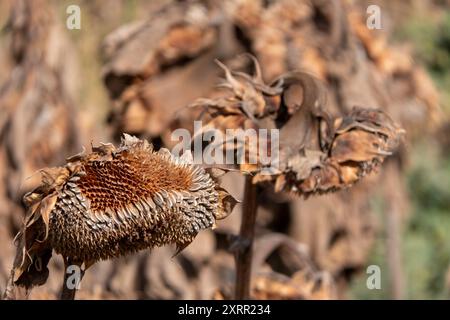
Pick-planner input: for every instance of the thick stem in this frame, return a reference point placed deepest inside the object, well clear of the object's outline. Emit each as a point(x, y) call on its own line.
point(73, 274)
point(247, 232)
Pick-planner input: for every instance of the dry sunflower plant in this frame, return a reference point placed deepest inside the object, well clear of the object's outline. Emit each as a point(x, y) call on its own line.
point(111, 202)
point(317, 153)
point(173, 50)
point(116, 201)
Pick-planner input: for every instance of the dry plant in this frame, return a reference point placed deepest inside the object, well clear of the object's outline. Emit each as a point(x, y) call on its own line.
point(165, 46)
point(38, 120)
point(172, 52)
point(329, 39)
point(318, 153)
point(113, 202)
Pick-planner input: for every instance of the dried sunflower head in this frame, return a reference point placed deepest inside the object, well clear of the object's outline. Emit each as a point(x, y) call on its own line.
point(317, 153)
point(115, 201)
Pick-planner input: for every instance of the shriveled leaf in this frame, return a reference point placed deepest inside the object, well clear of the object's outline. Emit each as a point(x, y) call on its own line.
point(226, 204)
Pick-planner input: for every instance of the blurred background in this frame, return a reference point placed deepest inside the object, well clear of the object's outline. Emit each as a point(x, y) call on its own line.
point(134, 66)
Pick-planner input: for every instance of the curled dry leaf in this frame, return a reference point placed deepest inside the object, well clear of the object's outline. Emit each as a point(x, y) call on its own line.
point(112, 202)
point(317, 152)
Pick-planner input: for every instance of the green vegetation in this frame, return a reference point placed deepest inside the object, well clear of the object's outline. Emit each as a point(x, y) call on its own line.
point(426, 234)
point(431, 41)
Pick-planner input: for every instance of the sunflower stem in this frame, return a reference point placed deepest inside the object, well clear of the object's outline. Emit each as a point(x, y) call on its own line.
point(246, 235)
point(72, 279)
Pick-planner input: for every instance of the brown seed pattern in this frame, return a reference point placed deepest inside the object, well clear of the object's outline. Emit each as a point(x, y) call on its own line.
point(130, 177)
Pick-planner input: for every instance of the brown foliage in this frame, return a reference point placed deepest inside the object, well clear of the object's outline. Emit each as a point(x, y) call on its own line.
point(157, 66)
point(358, 67)
point(37, 118)
point(317, 152)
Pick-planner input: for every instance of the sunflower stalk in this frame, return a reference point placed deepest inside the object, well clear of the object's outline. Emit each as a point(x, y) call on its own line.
point(247, 234)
